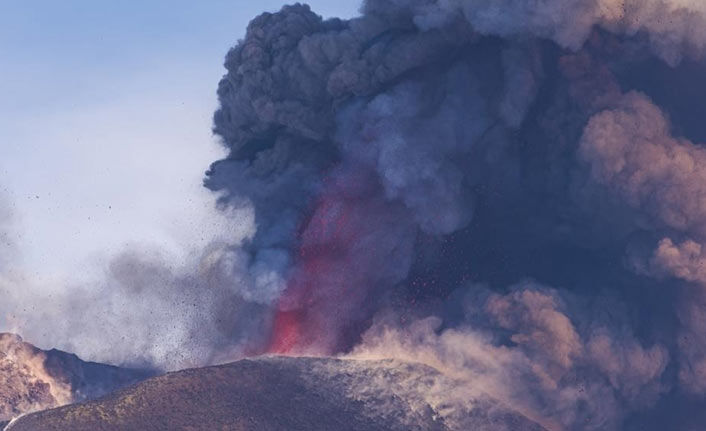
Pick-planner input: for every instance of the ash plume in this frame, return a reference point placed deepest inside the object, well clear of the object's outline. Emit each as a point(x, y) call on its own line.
point(511, 192)
point(505, 191)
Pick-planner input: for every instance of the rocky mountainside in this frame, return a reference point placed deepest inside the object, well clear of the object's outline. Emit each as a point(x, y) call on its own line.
point(289, 394)
point(32, 379)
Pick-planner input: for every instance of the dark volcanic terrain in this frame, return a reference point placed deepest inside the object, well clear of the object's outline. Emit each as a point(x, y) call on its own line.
point(288, 394)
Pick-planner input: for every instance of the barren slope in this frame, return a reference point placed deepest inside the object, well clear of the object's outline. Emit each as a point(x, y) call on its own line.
point(284, 394)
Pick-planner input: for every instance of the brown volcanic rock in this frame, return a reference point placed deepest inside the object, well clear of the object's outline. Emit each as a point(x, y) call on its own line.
point(283, 394)
point(32, 379)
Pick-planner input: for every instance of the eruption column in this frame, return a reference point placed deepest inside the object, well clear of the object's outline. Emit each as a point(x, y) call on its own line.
point(343, 253)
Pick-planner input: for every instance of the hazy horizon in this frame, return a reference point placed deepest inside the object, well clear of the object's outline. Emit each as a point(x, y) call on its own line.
point(105, 126)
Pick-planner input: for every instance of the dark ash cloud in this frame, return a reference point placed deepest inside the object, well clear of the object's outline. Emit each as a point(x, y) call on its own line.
point(510, 192)
point(398, 161)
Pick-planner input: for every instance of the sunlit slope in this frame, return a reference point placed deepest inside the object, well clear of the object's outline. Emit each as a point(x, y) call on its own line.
point(283, 394)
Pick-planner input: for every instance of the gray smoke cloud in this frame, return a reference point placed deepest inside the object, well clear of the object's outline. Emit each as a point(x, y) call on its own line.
point(510, 192)
point(673, 27)
point(147, 308)
point(397, 160)
point(630, 149)
point(531, 354)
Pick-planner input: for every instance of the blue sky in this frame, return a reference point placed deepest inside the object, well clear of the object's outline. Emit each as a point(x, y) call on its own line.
point(105, 112)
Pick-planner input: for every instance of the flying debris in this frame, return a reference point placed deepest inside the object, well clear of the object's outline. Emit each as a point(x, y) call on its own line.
point(294, 394)
point(511, 193)
point(505, 191)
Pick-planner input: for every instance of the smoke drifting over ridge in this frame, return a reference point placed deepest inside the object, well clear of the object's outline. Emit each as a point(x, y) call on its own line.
point(512, 192)
point(508, 191)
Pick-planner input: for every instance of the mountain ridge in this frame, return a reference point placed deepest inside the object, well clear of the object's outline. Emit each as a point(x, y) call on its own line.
point(33, 379)
point(285, 393)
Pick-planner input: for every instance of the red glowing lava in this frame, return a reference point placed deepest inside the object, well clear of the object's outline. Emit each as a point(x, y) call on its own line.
point(349, 247)
point(321, 274)
point(286, 332)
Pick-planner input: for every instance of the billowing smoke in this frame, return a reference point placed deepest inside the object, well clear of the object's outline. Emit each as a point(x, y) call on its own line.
point(147, 309)
point(509, 191)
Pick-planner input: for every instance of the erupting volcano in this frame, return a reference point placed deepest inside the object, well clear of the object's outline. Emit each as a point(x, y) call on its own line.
point(479, 187)
point(335, 263)
point(477, 214)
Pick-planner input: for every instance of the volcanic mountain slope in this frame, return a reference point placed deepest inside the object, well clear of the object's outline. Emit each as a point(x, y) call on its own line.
point(287, 394)
point(32, 379)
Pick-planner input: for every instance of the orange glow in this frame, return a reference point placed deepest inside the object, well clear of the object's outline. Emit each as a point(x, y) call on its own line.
point(286, 333)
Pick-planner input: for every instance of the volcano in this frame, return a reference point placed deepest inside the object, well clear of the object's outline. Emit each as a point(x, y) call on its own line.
point(288, 394)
